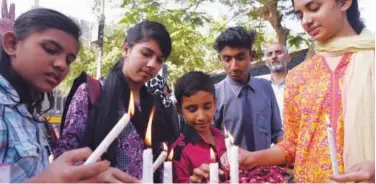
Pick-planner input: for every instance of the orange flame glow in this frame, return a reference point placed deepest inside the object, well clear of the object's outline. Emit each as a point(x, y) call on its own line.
point(231, 138)
point(328, 120)
point(165, 147)
point(148, 130)
point(171, 155)
point(212, 155)
point(131, 105)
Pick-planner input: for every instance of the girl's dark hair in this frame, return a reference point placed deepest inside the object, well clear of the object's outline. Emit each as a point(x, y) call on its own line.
point(115, 94)
point(150, 29)
point(353, 16)
point(35, 20)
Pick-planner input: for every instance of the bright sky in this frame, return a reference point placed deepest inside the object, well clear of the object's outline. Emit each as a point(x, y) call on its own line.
point(83, 9)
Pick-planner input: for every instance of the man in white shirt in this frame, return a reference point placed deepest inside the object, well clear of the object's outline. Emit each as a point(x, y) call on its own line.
point(277, 57)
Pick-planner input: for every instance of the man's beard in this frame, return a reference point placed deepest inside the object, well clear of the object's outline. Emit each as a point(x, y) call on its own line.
point(278, 68)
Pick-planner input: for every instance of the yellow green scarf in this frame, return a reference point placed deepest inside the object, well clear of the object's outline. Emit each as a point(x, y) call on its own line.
point(358, 95)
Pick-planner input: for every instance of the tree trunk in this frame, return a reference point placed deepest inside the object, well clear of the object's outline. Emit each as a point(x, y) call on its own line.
point(273, 16)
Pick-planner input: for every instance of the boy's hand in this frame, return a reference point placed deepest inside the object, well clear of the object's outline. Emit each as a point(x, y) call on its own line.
point(200, 174)
point(246, 159)
point(225, 162)
point(363, 172)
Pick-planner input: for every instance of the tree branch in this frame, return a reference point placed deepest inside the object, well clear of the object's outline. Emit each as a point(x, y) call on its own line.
point(273, 16)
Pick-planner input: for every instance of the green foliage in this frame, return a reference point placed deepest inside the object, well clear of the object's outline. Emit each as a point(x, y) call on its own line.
point(192, 47)
point(87, 57)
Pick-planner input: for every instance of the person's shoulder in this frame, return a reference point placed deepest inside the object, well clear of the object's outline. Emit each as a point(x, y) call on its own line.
point(81, 94)
point(220, 84)
point(218, 133)
point(177, 141)
point(178, 146)
point(261, 84)
point(220, 89)
point(260, 81)
point(8, 95)
point(82, 88)
point(298, 75)
point(303, 67)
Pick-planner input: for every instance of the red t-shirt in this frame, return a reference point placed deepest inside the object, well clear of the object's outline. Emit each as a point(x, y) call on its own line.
point(191, 151)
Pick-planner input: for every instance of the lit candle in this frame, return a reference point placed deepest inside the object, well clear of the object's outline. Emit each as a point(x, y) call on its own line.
point(147, 163)
point(167, 169)
point(234, 164)
point(114, 133)
point(332, 147)
point(213, 168)
point(147, 156)
point(161, 158)
point(227, 143)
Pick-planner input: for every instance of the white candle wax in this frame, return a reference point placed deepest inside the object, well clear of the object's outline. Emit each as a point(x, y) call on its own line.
point(333, 151)
point(234, 164)
point(124, 120)
point(147, 164)
point(228, 147)
point(161, 158)
point(167, 172)
point(213, 172)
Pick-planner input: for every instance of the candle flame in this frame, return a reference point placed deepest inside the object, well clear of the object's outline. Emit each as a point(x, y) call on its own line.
point(148, 130)
point(226, 133)
point(328, 120)
point(231, 138)
point(165, 147)
point(212, 155)
point(131, 105)
point(171, 155)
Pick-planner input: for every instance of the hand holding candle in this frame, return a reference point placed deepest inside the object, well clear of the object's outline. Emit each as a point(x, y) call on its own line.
point(332, 146)
point(114, 133)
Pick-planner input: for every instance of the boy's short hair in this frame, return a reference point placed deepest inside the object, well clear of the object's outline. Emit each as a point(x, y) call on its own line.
point(192, 82)
point(235, 37)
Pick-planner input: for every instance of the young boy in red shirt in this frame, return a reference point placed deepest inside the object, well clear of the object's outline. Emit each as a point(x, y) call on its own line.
point(195, 95)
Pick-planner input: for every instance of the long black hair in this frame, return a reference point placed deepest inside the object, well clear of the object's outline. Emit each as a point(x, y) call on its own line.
point(115, 96)
point(353, 16)
point(35, 20)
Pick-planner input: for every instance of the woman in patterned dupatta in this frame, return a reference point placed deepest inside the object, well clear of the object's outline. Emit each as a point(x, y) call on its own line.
point(338, 83)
